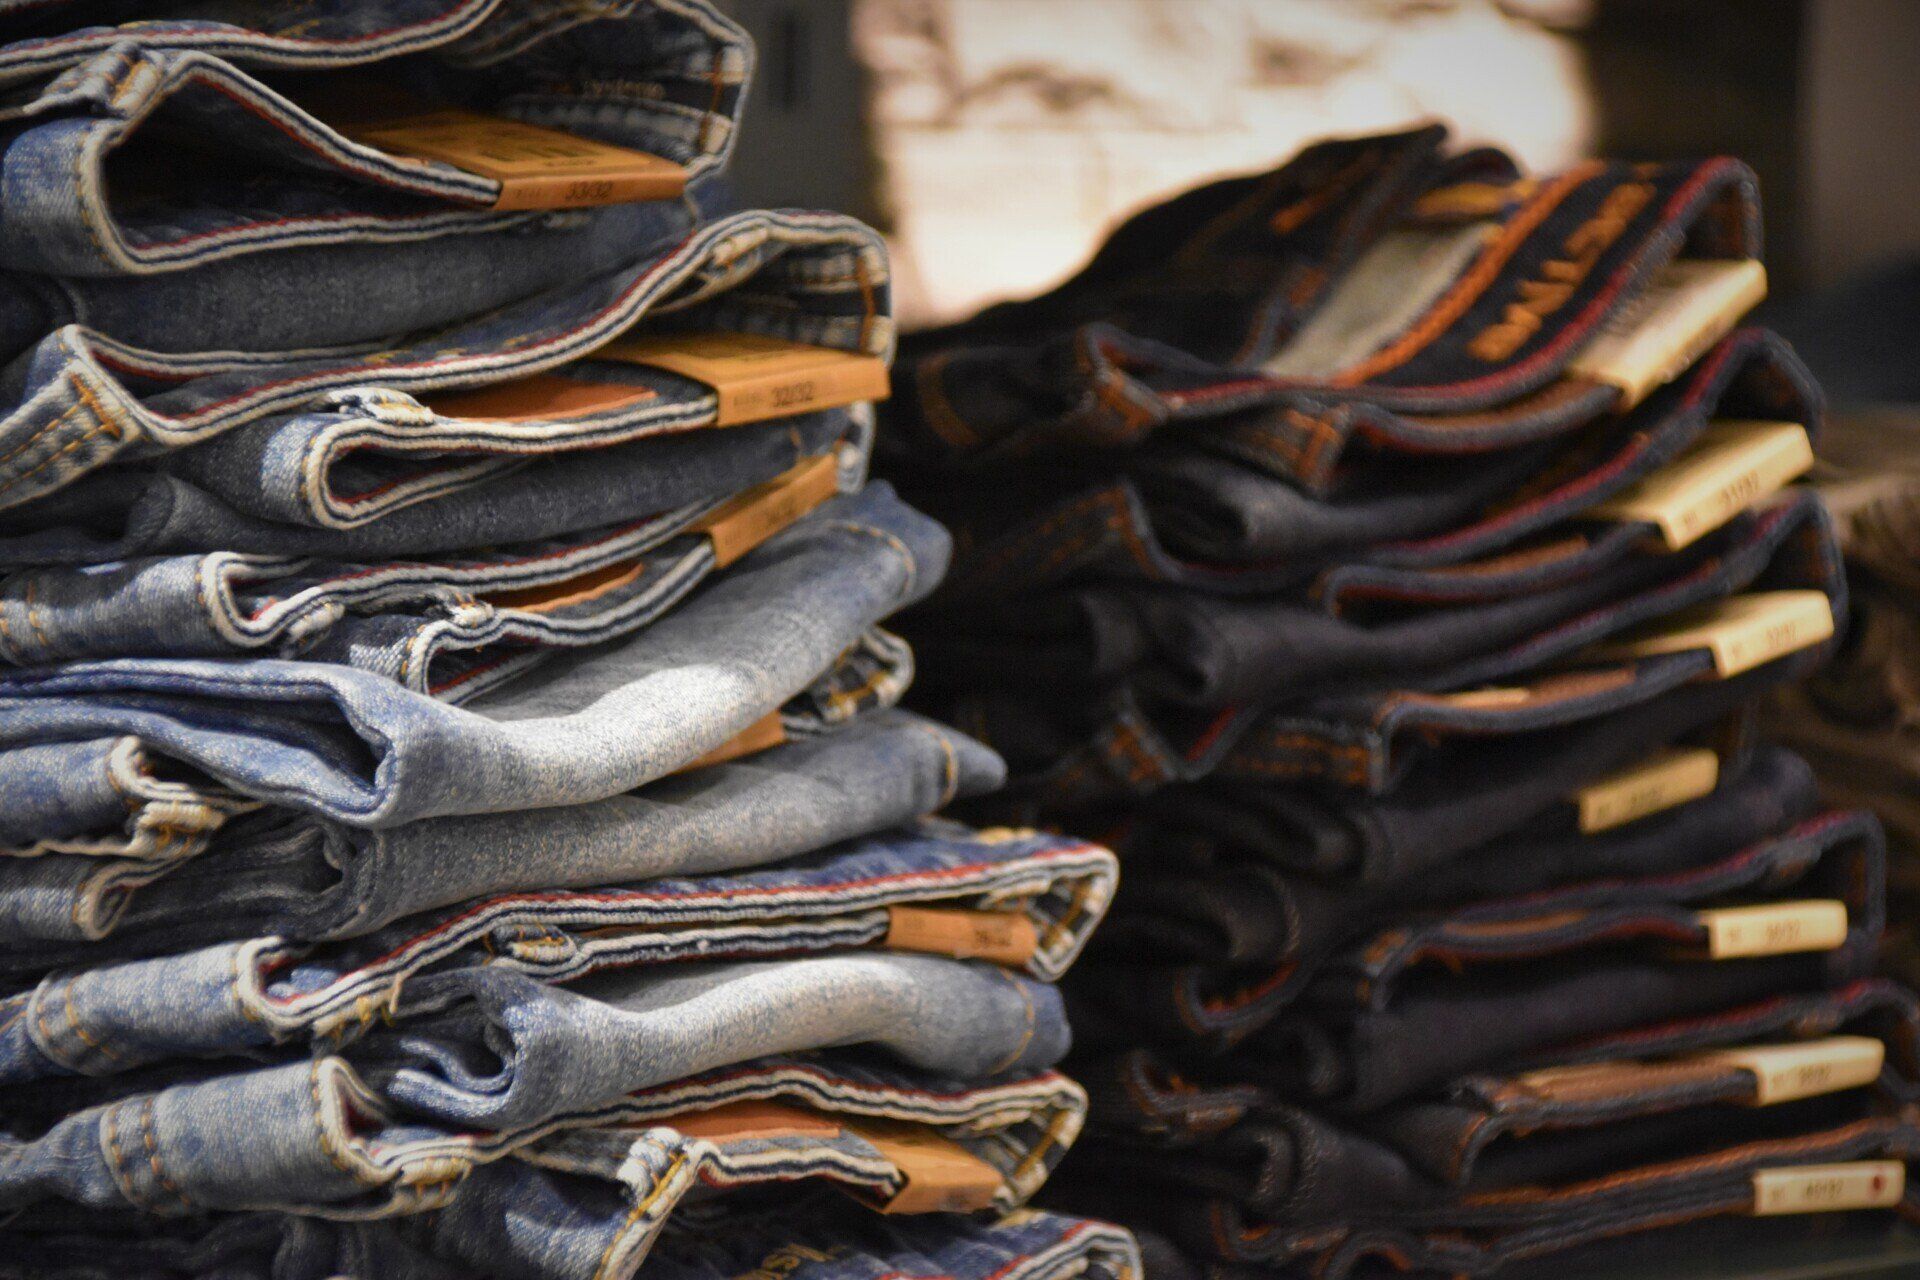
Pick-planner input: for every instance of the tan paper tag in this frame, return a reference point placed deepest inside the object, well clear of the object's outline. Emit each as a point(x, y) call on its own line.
point(536, 167)
point(1667, 778)
point(1004, 937)
point(742, 1120)
point(1688, 305)
point(748, 519)
point(765, 732)
point(541, 396)
point(1829, 1188)
point(758, 377)
point(1774, 928)
point(1486, 699)
point(941, 1175)
point(1790, 1072)
point(1741, 632)
point(1731, 467)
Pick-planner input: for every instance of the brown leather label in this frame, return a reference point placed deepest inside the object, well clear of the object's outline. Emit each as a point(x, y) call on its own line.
point(748, 519)
point(1688, 305)
point(1829, 1188)
point(1667, 778)
point(1774, 928)
point(541, 396)
point(536, 167)
point(1730, 468)
point(763, 733)
point(758, 377)
point(1741, 632)
point(588, 586)
point(1004, 937)
point(941, 1175)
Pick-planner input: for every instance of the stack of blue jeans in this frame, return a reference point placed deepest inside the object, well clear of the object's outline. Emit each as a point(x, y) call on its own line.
point(1386, 555)
point(455, 816)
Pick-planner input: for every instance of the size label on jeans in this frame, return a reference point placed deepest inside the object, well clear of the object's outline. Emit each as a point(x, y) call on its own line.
point(1790, 1072)
point(1774, 928)
point(1741, 632)
point(748, 519)
point(1829, 1188)
point(758, 377)
point(768, 731)
point(1730, 468)
point(1004, 937)
point(540, 397)
point(536, 167)
point(941, 1175)
point(1686, 307)
point(1668, 778)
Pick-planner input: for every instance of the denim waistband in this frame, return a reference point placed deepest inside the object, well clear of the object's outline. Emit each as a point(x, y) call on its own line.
point(84, 399)
point(354, 746)
point(665, 77)
point(1028, 901)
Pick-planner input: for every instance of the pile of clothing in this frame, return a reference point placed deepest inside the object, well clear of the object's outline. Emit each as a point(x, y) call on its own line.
point(455, 819)
point(1388, 555)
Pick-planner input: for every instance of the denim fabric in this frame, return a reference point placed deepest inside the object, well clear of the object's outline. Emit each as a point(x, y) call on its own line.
point(245, 996)
point(1382, 1035)
point(127, 514)
point(807, 1239)
point(307, 879)
point(1179, 649)
point(517, 1059)
point(1168, 326)
point(429, 624)
point(353, 746)
point(144, 107)
point(1180, 516)
point(107, 799)
point(81, 399)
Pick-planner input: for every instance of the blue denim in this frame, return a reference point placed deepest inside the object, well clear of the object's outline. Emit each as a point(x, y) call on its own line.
point(81, 399)
point(106, 800)
point(509, 1060)
point(543, 1232)
point(665, 76)
point(306, 879)
point(129, 514)
point(407, 617)
point(245, 996)
point(356, 747)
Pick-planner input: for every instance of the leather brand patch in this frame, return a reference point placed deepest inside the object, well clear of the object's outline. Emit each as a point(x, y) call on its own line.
point(758, 377)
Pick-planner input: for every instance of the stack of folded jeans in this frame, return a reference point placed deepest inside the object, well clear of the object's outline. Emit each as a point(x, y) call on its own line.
point(455, 815)
point(1386, 555)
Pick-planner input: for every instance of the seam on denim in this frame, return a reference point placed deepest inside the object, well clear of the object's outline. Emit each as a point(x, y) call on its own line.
point(905, 552)
point(329, 1145)
point(100, 427)
point(72, 1019)
point(150, 1139)
point(936, 408)
point(1476, 281)
point(117, 1167)
point(950, 761)
point(1032, 1019)
point(640, 1210)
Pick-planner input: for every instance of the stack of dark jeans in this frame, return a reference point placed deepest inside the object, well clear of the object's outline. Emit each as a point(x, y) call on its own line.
point(456, 819)
point(1386, 556)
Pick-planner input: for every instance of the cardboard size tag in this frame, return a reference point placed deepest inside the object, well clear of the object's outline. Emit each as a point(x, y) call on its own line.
point(540, 396)
point(1829, 1188)
point(941, 1175)
point(1667, 778)
point(758, 377)
point(1774, 928)
point(1004, 937)
point(1686, 307)
point(748, 519)
point(536, 167)
point(1790, 1072)
point(737, 1121)
point(580, 590)
point(763, 733)
point(1488, 699)
point(1730, 468)
point(1741, 632)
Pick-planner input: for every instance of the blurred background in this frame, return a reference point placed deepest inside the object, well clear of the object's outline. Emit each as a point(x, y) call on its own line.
point(994, 141)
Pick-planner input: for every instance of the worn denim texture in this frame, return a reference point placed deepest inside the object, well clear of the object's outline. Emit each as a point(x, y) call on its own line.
point(81, 399)
point(247, 995)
